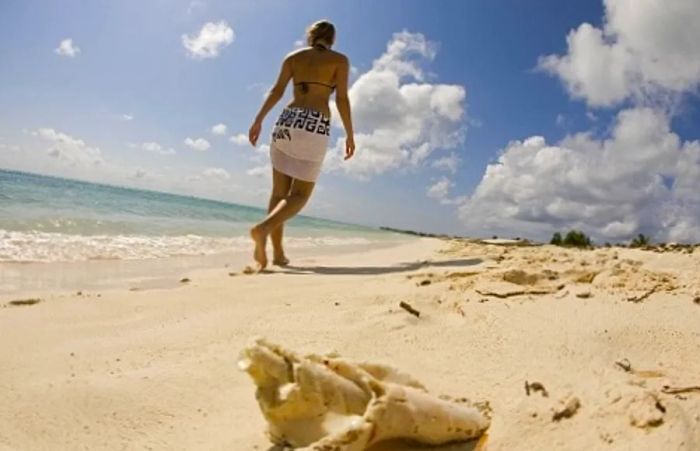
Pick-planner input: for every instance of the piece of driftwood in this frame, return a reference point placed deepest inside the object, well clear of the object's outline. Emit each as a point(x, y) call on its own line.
point(406, 306)
point(18, 302)
point(643, 296)
point(678, 390)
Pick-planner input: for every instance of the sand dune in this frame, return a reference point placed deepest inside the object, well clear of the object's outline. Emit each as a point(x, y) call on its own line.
point(572, 349)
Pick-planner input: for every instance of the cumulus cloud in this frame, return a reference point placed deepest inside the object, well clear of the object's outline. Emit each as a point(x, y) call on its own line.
point(9, 147)
point(263, 170)
point(641, 179)
point(449, 163)
point(400, 119)
point(154, 147)
point(440, 189)
point(645, 50)
point(219, 129)
point(240, 139)
point(212, 38)
point(67, 48)
point(126, 117)
point(260, 159)
point(199, 144)
point(195, 5)
point(69, 150)
point(216, 173)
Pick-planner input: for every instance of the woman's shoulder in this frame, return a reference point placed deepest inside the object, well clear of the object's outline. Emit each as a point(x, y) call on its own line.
point(301, 52)
point(340, 56)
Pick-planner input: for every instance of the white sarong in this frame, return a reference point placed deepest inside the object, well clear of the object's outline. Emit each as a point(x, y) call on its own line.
point(299, 143)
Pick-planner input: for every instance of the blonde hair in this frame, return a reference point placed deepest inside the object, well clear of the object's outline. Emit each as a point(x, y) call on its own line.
point(321, 31)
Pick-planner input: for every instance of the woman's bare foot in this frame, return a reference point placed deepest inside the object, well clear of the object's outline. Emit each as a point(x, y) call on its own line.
point(280, 259)
point(260, 239)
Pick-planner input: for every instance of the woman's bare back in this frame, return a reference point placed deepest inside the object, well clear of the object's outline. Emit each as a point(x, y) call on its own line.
point(315, 77)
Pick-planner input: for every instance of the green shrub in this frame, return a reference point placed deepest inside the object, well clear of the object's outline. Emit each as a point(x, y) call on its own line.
point(640, 240)
point(556, 239)
point(576, 238)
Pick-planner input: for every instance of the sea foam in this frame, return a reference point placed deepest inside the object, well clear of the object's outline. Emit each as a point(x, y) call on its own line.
point(35, 246)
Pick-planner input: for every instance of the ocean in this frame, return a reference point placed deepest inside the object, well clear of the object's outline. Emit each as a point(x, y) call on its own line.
point(49, 219)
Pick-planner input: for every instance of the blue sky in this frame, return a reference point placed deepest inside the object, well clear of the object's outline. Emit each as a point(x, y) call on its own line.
point(120, 108)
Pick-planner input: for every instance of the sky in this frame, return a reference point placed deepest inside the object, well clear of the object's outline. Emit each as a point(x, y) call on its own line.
point(480, 118)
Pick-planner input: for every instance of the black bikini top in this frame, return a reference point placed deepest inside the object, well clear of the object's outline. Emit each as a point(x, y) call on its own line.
point(304, 85)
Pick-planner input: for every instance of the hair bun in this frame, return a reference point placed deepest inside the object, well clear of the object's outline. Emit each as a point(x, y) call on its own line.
point(320, 31)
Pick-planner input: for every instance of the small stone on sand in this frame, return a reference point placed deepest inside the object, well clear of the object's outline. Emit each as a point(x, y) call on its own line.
point(567, 408)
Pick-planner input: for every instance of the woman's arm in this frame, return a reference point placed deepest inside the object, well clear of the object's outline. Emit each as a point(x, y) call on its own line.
point(343, 103)
point(272, 98)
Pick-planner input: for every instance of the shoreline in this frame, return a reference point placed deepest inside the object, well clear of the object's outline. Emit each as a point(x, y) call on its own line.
point(29, 279)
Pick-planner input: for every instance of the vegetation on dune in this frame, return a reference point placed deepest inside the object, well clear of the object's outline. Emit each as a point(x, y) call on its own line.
point(556, 239)
point(574, 238)
point(640, 240)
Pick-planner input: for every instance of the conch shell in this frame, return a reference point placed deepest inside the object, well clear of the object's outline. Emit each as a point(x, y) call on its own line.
point(320, 403)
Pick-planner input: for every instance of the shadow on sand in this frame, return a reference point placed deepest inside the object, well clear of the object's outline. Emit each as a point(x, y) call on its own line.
point(376, 270)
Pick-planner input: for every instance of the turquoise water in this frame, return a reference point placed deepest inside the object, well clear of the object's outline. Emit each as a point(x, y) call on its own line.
point(54, 219)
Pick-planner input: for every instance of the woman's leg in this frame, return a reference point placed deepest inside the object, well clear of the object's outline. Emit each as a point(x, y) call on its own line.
point(281, 184)
point(285, 209)
point(299, 194)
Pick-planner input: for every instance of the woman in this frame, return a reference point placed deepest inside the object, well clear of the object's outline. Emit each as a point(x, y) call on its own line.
point(300, 136)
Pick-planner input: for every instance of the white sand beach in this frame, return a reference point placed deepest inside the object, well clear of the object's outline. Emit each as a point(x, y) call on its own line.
point(156, 368)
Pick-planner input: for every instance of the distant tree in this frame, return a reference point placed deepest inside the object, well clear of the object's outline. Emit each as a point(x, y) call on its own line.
point(640, 240)
point(576, 238)
point(556, 239)
point(495, 237)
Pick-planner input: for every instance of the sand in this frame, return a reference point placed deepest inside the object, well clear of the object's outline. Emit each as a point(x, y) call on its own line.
point(602, 332)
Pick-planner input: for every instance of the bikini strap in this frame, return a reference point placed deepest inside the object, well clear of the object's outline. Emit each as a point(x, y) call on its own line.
point(302, 83)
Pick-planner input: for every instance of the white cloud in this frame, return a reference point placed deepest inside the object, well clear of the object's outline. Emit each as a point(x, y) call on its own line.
point(154, 147)
point(240, 139)
point(399, 118)
point(561, 120)
point(69, 150)
point(642, 179)
point(263, 170)
point(10, 147)
point(199, 144)
point(219, 129)
point(195, 5)
point(299, 44)
point(440, 189)
point(126, 117)
point(216, 173)
point(212, 38)
point(449, 163)
point(261, 152)
point(647, 50)
point(67, 48)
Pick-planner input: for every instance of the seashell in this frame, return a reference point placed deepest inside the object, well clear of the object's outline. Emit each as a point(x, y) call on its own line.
point(319, 403)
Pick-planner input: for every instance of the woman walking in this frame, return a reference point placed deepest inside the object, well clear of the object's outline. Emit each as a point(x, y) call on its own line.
point(300, 136)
